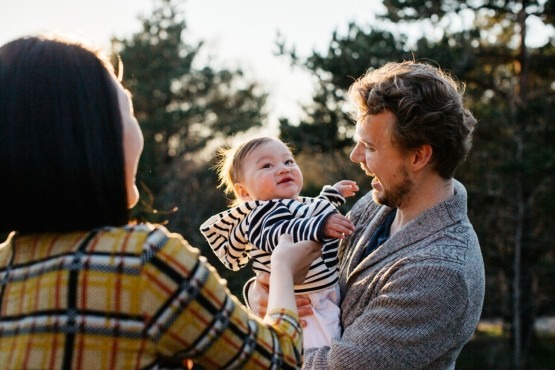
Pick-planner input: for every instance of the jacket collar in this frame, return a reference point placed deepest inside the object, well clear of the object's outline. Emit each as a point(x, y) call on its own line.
point(430, 222)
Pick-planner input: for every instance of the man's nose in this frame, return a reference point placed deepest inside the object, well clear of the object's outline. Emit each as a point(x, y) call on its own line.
point(354, 154)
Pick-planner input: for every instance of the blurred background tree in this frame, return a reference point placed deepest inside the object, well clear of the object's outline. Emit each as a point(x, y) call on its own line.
point(187, 109)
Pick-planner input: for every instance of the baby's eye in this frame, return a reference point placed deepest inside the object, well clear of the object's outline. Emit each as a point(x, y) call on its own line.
point(266, 165)
point(289, 161)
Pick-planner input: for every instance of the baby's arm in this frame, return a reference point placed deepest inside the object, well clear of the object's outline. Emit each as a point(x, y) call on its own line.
point(337, 193)
point(267, 224)
point(226, 235)
point(346, 188)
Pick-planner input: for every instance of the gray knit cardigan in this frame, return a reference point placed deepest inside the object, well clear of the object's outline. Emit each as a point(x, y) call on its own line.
point(415, 301)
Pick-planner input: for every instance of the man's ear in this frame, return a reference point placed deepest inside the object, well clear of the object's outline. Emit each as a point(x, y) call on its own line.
point(241, 191)
point(421, 156)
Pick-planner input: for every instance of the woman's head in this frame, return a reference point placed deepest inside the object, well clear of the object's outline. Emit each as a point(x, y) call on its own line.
point(63, 120)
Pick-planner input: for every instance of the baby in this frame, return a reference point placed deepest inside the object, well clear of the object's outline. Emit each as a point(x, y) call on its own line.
point(266, 181)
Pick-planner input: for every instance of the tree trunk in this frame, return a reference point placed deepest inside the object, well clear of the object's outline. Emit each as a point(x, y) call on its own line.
point(522, 239)
point(517, 259)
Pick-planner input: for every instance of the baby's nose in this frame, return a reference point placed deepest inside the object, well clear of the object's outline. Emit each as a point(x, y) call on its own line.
point(283, 169)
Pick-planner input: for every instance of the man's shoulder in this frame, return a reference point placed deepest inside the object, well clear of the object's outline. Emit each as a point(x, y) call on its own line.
point(456, 244)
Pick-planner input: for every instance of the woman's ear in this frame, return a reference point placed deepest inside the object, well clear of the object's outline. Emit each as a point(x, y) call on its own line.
point(241, 191)
point(422, 156)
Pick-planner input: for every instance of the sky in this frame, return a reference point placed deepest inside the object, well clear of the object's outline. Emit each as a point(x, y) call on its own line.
point(236, 34)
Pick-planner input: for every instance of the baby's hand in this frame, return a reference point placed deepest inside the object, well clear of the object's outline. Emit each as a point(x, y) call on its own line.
point(346, 188)
point(338, 226)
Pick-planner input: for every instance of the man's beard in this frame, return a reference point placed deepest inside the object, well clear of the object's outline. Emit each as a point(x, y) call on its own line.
point(398, 194)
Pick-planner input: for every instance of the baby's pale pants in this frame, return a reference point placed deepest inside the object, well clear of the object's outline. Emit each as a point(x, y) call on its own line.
point(324, 325)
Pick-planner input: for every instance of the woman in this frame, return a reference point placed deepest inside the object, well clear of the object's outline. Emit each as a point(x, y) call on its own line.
point(79, 286)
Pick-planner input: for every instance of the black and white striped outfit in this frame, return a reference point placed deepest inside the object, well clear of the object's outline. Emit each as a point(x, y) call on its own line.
point(252, 230)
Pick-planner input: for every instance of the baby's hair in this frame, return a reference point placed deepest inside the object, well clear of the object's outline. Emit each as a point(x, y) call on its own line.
point(230, 163)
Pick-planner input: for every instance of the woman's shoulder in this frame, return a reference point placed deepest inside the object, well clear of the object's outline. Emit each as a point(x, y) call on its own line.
point(137, 238)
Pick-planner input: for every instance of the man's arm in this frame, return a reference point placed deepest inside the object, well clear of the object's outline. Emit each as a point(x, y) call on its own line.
point(415, 318)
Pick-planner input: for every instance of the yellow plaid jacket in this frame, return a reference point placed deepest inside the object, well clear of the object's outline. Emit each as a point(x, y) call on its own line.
point(128, 298)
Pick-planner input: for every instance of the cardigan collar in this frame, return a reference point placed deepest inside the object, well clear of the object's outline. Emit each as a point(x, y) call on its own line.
point(431, 221)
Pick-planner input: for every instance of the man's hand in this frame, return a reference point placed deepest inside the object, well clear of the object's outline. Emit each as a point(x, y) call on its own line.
point(338, 226)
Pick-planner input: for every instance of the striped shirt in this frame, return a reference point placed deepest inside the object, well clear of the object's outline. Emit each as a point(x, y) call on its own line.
point(128, 298)
point(252, 230)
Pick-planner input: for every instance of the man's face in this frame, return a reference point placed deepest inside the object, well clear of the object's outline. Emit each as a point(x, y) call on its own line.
point(381, 159)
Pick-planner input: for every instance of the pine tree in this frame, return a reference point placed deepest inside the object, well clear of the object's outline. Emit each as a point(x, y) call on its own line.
point(182, 106)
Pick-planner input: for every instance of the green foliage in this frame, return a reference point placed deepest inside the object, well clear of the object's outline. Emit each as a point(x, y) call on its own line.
point(437, 10)
point(182, 108)
point(327, 126)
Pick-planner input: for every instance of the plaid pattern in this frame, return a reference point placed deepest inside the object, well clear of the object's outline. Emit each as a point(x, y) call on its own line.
point(123, 298)
point(252, 230)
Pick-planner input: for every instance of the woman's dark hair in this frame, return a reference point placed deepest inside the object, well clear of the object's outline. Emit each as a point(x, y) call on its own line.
point(428, 105)
point(61, 148)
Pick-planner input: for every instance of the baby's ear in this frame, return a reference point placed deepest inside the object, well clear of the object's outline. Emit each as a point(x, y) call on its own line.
point(241, 191)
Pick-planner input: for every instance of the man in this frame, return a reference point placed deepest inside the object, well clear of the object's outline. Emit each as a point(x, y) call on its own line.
point(412, 274)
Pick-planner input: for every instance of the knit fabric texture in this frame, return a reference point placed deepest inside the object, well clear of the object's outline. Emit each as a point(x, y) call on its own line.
point(415, 301)
point(252, 230)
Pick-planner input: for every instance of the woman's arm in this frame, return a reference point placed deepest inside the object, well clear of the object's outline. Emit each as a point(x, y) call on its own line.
point(289, 266)
point(191, 314)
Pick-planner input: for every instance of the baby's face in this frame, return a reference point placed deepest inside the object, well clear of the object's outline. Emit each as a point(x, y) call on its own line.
point(269, 172)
